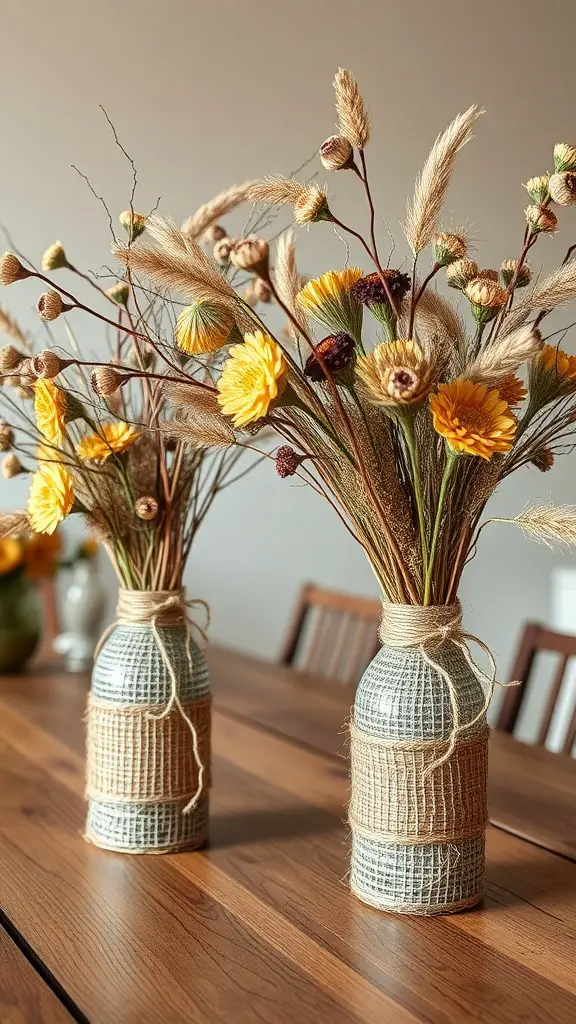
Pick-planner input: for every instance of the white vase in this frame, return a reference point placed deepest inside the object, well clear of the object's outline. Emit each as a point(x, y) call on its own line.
point(82, 611)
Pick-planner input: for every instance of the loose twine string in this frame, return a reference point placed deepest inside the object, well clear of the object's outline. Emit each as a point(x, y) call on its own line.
point(164, 608)
point(429, 628)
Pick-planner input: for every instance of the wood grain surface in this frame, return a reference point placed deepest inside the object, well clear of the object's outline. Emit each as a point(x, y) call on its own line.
point(24, 996)
point(261, 925)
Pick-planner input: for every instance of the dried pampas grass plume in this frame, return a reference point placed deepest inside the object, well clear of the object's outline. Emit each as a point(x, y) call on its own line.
point(438, 326)
point(176, 262)
point(9, 326)
point(12, 524)
point(197, 399)
point(553, 525)
point(504, 355)
point(223, 203)
point(432, 182)
point(277, 190)
point(288, 281)
point(555, 290)
point(353, 117)
point(204, 432)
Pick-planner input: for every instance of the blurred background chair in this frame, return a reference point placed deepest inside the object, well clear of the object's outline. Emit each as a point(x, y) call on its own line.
point(332, 635)
point(553, 705)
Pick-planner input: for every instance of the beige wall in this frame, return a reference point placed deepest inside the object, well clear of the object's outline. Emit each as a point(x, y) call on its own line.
point(203, 94)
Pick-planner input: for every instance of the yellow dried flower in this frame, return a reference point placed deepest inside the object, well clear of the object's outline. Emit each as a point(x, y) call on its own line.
point(50, 408)
point(563, 188)
point(486, 297)
point(541, 219)
point(564, 157)
point(11, 466)
point(111, 439)
point(204, 326)
point(51, 497)
point(50, 306)
point(336, 153)
point(252, 378)
point(11, 269)
point(473, 419)
point(250, 254)
point(395, 373)
point(329, 299)
point(458, 274)
point(508, 270)
point(119, 293)
point(11, 553)
point(512, 390)
point(133, 223)
point(54, 257)
point(537, 188)
point(448, 248)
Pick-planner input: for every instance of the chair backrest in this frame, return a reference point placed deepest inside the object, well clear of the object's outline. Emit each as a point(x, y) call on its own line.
point(332, 635)
point(535, 639)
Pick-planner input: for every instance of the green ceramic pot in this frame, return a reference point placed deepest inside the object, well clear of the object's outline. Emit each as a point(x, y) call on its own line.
point(20, 621)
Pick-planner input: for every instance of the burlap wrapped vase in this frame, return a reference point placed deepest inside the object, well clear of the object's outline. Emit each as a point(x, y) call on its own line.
point(148, 731)
point(419, 745)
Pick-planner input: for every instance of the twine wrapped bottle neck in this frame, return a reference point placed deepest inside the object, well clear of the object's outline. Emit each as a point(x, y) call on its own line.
point(163, 607)
point(412, 625)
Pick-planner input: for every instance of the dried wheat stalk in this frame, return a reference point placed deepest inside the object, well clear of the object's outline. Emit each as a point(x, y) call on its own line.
point(353, 119)
point(205, 432)
point(504, 355)
point(9, 326)
point(553, 525)
point(223, 203)
point(288, 281)
point(555, 290)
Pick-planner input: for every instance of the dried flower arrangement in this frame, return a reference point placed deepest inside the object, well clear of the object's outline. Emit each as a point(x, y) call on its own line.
point(407, 439)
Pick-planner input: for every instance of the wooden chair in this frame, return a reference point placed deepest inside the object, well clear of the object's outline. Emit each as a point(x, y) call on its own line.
point(535, 639)
point(332, 635)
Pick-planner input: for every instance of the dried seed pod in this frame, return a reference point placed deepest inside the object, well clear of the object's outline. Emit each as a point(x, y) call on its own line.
point(105, 380)
point(11, 467)
point(54, 257)
point(48, 364)
point(50, 306)
point(146, 508)
point(336, 153)
point(11, 269)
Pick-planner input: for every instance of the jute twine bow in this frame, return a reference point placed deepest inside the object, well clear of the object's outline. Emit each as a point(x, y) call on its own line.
point(428, 628)
point(164, 608)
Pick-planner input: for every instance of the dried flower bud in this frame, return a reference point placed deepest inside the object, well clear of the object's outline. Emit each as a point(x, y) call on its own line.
point(133, 223)
point(563, 188)
point(142, 356)
point(11, 269)
point(26, 373)
point(287, 461)
point(564, 157)
point(10, 358)
point(337, 352)
point(251, 254)
point(214, 233)
point(537, 188)
point(458, 274)
point(146, 509)
point(336, 154)
point(312, 206)
point(486, 298)
point(49, 364)
point(448, 248)
point(54, 258)
point(6, 436)
point(11, 466)
point(105, 380)
point(222, 250)
point(50, 306)
point(508, 270)
point(119, 293)
point(487, 275)
point(541, 219)
point(543, 460)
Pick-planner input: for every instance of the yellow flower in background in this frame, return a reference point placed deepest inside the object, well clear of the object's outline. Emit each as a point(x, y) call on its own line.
point(253, 376)
point(50, 410)
point(10, 555)
point(41, 555)
point(51, 497)
point(472, 418)
point(112, 438)
point(395, 373)
point(203, 327)
point(512, 390)
point(551, 358)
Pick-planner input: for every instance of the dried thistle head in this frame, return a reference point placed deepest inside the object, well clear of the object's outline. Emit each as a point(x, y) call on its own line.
point(50, 306)
point(105, 381)
point(310, 202)
point(541, 219)
point(460, 273)
point(337, 353)
point(288, 461)
point(54, 257)
point(48, 364)
point(251, 254)
point(508, 269)
point(543, 459)
point(336, 153)
point(564, 157)
point(353, 119)
point(448, 248)
point(11, 269)
point(562, 188)
point(537, 188)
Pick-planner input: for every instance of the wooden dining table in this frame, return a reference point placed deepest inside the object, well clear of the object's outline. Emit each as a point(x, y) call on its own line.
point(260, 926)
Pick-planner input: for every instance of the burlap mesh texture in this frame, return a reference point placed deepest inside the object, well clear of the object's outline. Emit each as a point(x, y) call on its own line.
point(130, 675)
point(435, 863)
